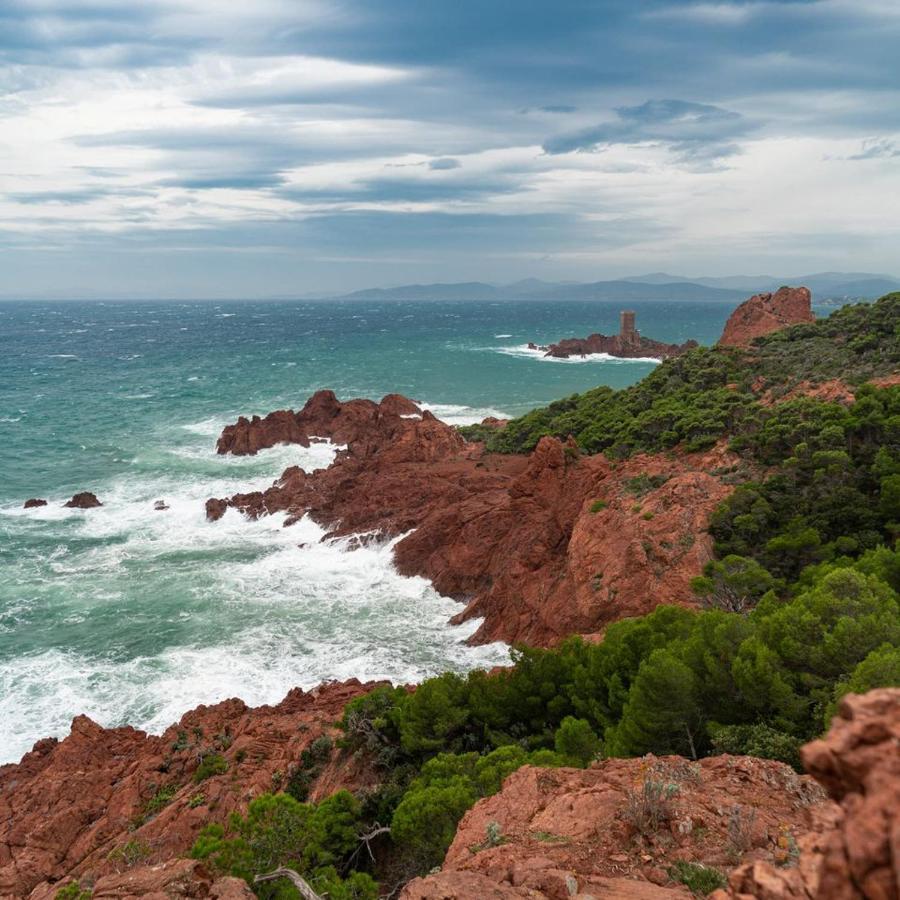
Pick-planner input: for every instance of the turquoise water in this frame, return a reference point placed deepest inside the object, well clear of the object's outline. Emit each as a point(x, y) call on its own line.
point(131, 615)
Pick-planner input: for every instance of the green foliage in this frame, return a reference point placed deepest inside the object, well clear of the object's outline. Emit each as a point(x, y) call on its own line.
point(835, 490)
point(129, 854)
point(700, 879)
point(650, 806)
point(757, 740)
point(576, 742)
point(159, 801)
point(73, 891)
point(733, 584)
point(598, 506)
point(212, 764)
point(312, 761)
point(881, 668)
point(314, 840)
point(426, 818)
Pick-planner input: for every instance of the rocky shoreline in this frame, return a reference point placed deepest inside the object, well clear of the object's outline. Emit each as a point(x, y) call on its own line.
point(540, 546)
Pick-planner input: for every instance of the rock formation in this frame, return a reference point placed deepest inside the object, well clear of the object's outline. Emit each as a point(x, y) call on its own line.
point(628, 343)
point(858, 856)
point(70, 804)
point(34, 502)
point(570, 832)
point(541, 546)
point(764, 313)
point(84, 500)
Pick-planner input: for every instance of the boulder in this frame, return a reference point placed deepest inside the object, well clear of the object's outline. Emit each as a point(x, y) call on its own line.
point(34, 502)
point(84, 500)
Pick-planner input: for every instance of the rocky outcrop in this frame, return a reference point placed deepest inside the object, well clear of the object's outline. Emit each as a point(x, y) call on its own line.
point(173, 878)
point(764, 313)
point(541, 546)
point(88, 807)
point(34, 503)
point(569, 832)
point(84, 500)
point(638, 347)
point(858, 856)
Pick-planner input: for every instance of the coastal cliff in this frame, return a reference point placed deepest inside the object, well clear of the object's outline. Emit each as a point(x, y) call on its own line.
point(650, 752)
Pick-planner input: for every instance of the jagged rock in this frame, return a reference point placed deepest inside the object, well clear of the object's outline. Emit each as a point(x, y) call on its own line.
point(765, 313)
point(856, 856)
point(160, 505)
point(84, 500)
point(519, 538)
point(565, 832)
point(67, 806)
point(34, 502)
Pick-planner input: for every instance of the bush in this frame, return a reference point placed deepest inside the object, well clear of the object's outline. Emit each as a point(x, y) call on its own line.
point(576, 742)
point(700, 879)
point(314, 840)
point(72, 891)
point(757, 740)
point(212, 764)
point(651, 806)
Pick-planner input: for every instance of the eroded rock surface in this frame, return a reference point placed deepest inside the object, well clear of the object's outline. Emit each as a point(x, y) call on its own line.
point(570, 832)
point(857, 856)
point(541, 546)
point(764, 313)
point(82, 807)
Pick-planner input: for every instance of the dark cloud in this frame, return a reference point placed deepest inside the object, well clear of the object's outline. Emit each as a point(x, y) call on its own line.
point(696, 132)
point(446, 162)
point(881, 148)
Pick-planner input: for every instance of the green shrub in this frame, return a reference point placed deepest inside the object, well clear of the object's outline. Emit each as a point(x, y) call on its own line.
point(757, 740)
point(212, 764)
point(576, 742)
point(598, 506)
point(73, 891)
point(700, 879)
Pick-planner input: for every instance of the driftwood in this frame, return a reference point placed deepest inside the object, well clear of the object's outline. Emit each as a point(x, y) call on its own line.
point(297, 880)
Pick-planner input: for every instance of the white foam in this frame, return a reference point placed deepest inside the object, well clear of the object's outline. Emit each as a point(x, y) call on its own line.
point(499, 336)
point(454, 414)
point(319, 611)
point(523, 350)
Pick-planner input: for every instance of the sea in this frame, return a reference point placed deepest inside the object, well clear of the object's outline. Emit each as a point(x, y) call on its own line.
point(132, 615)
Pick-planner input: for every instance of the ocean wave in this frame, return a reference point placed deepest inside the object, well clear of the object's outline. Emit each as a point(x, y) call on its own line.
point(499, 336)
point(523, 350)
point(296, 616)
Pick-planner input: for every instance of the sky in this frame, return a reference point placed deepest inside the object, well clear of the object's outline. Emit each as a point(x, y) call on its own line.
point(191, 148)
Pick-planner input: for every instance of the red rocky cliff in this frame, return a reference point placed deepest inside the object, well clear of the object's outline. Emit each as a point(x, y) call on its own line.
point(764, 313)
point(541, 546)
point(69, 807)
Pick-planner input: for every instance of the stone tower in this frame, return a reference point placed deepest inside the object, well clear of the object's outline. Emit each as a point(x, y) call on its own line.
point(627, 331)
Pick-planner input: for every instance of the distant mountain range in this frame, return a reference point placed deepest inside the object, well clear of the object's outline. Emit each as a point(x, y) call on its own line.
point(654, 286)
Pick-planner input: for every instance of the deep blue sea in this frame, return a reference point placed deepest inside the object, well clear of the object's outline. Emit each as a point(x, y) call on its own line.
point(134, 616)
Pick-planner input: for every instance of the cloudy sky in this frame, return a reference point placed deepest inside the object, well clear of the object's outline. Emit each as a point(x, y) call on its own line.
point(210, 149)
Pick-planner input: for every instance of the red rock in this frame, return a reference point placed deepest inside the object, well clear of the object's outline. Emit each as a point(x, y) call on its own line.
point(519, 538)
point(854, 856)
point(494, 422)
point(764, 313)
point(34, 502)
point(67, 806)
point(84, 500)
point(564, 832)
